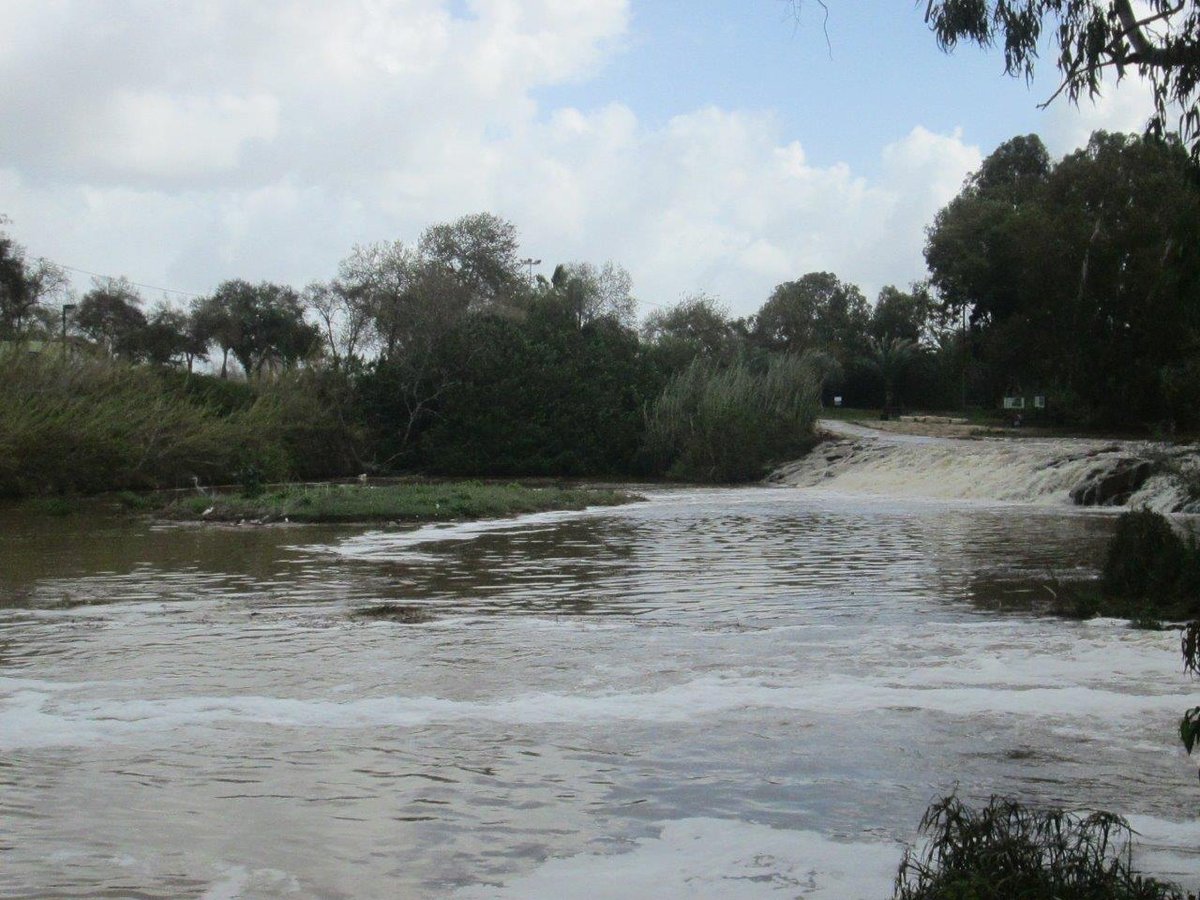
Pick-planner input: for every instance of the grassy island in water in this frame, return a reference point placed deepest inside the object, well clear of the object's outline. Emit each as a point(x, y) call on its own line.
point(392, 502)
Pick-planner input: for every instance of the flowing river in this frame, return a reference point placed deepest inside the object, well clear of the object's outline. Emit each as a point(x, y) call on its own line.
point(748, 692)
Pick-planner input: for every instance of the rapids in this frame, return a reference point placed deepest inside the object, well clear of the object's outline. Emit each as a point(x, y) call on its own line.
point(748, 692)
point(1055, 472)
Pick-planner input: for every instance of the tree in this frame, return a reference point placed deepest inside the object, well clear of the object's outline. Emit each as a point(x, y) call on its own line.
point(110, 314)
point(981, 246)
point(1160, 41)
point(164, 338)
point(816, 312)
point(261, 325)
point(212, 320)
point(481, 251)
point(24, 286)
point(591, 292)
point(344, 316)
point(1080, 279)
point(197, 335)
point(904, 314)
point(414, 372)
point(539, 395)
point(372, 297)
point(698, 325)
point(889, 356)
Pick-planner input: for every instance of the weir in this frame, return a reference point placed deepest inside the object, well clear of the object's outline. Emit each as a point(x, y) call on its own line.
point(1052, 472)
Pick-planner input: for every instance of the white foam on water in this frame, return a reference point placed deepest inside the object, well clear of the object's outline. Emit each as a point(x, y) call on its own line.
point(397, 545)
point(1105, 681)
point(704, 857)
point(1169, 849)
point(1008, 470)
point(239, 882)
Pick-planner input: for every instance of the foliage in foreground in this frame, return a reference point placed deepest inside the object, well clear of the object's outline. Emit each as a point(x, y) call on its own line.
point(714, 423)
point(400, 502)
point(1005, 850)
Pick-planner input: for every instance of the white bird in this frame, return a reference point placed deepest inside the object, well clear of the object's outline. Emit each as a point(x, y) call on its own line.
point(362, 479)
point(199, 489)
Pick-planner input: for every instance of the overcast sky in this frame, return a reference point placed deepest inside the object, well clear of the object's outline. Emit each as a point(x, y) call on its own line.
point(706, 145)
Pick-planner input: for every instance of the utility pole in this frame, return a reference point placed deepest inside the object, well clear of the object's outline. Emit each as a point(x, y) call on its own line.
point(67, 307)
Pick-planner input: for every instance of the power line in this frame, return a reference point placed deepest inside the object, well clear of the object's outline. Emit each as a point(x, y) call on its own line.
point(149, 287)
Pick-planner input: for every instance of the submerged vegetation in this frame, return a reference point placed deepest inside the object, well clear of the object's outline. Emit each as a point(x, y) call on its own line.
point(395, 502)
point(1004, 850)
point(394, 612)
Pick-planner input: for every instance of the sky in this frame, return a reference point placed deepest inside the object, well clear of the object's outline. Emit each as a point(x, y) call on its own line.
point(716, 146)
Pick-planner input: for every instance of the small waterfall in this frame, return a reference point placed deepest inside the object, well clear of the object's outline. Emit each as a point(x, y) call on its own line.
point(1023, 470)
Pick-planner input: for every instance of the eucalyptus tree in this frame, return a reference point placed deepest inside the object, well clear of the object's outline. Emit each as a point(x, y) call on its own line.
point(1157, 39)
point(165, 338)
point(698, 325)
point(372, 300)
point(911, 314)
point(1080, 276)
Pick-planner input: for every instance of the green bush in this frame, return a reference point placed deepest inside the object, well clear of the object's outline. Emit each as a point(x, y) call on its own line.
point(1150, 564)
point(715, 423)
point(1005, 850)
point(87, 424)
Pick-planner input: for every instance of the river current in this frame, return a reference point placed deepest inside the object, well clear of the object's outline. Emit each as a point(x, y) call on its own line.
point(748, 692)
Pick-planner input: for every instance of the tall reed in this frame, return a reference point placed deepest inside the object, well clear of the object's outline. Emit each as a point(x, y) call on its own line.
point(85, 424)
point(727, 423)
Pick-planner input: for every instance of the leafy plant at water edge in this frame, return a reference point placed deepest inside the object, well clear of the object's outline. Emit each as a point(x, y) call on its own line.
point(90, 424)
point(1150, 567)
point(714, 423)
point(1005, 850)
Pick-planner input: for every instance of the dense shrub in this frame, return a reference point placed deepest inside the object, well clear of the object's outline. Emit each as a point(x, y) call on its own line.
point(1150, 563)
point(309, 420)
point(727, 423)
point(224, 395)
point(1005, 850)
point(538, 396)
point(88, 424)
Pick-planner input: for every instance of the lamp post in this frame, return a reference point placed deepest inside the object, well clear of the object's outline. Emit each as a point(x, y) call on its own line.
point(67, 307)
point(531, 262)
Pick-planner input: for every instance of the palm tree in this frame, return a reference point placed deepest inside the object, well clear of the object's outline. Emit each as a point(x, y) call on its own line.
point(890, 356)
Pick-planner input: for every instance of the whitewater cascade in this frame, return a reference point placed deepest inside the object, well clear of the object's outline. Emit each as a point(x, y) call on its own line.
point(1062, 471)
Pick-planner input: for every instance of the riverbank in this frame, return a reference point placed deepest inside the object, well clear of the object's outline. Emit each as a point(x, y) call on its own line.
point(409, 502)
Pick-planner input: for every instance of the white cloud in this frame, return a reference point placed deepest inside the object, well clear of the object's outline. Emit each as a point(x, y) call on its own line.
point(182, 144)
point(1123, 107)
point(157, 134)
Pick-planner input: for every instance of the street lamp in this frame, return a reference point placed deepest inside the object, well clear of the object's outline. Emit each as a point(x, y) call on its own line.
point(531, 262)
point(67, 307)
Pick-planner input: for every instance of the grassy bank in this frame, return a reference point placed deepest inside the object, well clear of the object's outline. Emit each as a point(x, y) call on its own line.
point(387, 503)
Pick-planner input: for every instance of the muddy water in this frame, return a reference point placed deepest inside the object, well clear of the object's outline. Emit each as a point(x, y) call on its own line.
point(734, 693)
